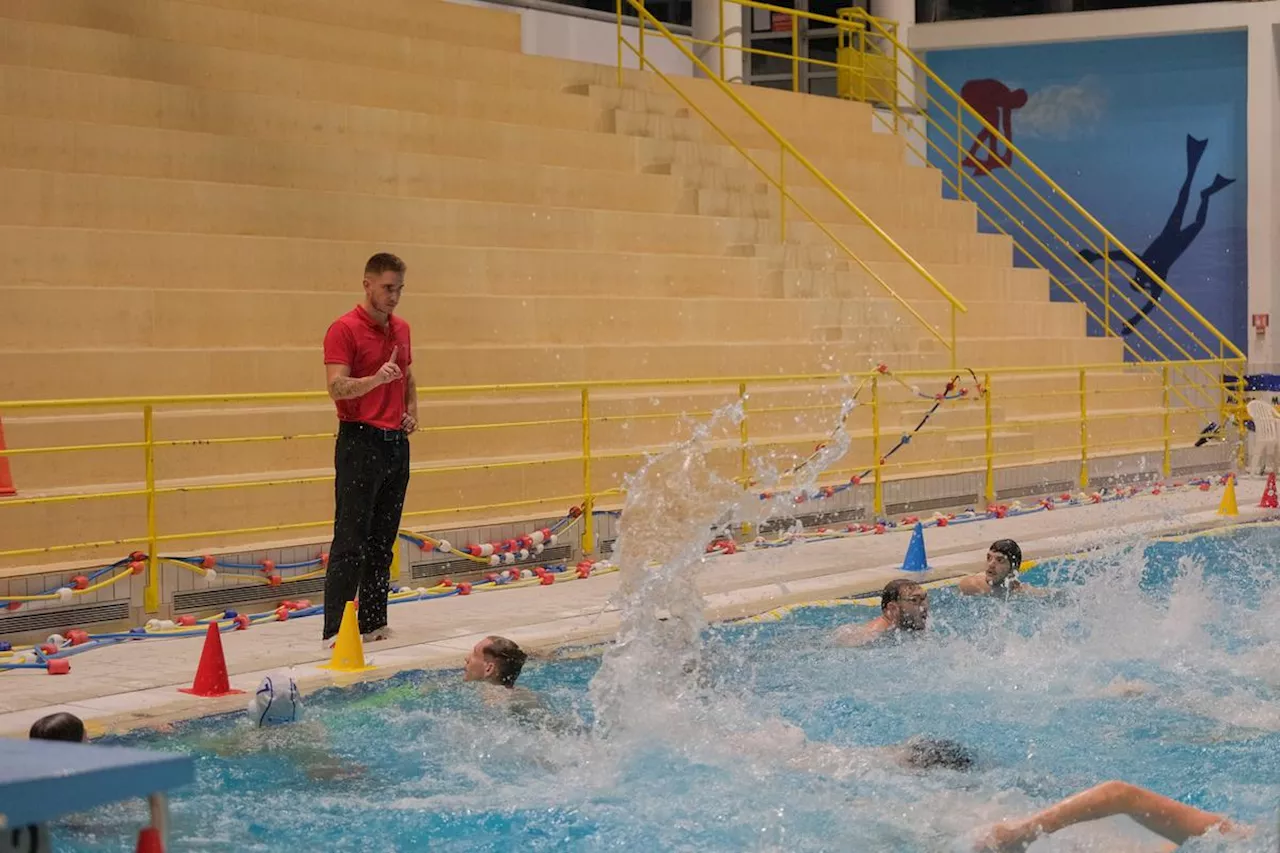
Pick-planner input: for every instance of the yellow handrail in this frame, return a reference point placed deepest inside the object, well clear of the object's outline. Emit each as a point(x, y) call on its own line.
point(647, 19)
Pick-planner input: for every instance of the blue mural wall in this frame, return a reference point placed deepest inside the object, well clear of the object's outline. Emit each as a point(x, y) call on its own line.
point(1130, 128)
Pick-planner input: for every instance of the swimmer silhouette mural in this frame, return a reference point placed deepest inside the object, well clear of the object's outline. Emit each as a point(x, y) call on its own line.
point(995, 102)
point(1149, 136)
point(1170, 243)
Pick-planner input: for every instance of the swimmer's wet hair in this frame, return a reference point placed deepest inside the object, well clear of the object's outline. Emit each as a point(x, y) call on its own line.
point(928, 753)
point(384, 262)
point(1011, 550)
point(508, 658)
point(63, 726)
point(893, 591)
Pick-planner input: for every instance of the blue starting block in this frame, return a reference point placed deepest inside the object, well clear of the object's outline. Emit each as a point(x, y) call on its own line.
point(44, 780)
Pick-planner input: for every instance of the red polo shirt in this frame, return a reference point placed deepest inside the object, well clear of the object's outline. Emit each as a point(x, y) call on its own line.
point(356, 340)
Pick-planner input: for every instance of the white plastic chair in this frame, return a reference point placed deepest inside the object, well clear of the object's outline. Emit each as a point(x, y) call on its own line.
point(1266, 434)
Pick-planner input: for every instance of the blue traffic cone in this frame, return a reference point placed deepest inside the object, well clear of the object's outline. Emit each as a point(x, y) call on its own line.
point(915, 560)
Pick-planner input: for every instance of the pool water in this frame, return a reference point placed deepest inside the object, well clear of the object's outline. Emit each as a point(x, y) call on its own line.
point(1158, 664)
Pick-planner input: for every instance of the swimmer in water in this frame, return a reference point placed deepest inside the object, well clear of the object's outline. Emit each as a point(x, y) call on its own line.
point(1165, 817)
point(904, 608)
point(496, 663)
point(64, 727)
point(1004, 560)
point(783, 742)
point(275, 717)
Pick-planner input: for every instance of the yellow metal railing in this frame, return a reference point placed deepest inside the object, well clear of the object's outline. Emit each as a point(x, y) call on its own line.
point(786, 150)
point(1050, 229)
point(585, 437)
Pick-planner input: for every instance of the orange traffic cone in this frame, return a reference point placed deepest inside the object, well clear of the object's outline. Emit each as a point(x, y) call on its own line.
point(1269, 498)
point(149, 841)
point(211, 675)
point(6, 478)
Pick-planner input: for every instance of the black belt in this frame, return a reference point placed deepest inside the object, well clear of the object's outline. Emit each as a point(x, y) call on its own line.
point(375, 432)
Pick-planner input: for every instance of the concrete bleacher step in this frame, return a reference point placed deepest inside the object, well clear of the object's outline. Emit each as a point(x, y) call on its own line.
point(101, 52)
point(75, 257)
point(457, 23)
point(57, 94)
point(93, 258)
point(715, 166)
point(129, 371)
point(98, 52)
point(966, 282)
point(168, 317)
point(94, 201)
point(890, 212)
point(53, 95)
point(455, 50)
point(123, 151)
point(749, 134)
point(88, 372)
point(807, 242)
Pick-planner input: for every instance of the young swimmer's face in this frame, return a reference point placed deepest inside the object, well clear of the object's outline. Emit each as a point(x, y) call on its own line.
point(478, 667)
point(998, 568)
point(913, 609)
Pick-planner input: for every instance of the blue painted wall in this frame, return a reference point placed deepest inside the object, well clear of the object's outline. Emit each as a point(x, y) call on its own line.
point(1109, 120)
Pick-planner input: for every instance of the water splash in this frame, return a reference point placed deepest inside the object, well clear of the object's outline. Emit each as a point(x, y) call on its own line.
point(675, 502)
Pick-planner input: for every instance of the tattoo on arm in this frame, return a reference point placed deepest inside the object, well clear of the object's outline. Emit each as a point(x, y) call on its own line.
point(345, 387)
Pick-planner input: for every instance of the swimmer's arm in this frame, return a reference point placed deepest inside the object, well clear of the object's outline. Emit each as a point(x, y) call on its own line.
point(1166, 817)
point(321, 765)
point(973, 585)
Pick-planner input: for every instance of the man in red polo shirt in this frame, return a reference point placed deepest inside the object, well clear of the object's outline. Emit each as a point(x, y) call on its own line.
point(368, 358)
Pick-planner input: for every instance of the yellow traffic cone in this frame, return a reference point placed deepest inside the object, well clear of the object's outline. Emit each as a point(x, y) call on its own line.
point(348, 649)
point(394, 573)
point(1228, 505)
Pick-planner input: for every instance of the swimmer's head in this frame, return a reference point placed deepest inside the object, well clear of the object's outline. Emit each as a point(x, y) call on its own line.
point(928, 753)
point(62, 726)
point(495, 660)
point(277, 701)
point(1004, 559)
point(905, 604)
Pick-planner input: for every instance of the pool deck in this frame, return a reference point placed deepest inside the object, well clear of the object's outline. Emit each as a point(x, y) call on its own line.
point(135, 685)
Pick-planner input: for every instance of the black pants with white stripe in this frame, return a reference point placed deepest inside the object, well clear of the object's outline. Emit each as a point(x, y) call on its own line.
point(372, 467)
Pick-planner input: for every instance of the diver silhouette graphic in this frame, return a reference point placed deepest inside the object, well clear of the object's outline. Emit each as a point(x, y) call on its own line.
point(995, 102)
point(1171, 242)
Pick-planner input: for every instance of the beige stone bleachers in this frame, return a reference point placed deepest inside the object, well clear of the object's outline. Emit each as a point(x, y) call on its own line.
point(193, 185)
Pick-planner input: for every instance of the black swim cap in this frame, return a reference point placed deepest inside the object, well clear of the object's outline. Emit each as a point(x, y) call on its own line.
point(1011, 550)
point(926, 753)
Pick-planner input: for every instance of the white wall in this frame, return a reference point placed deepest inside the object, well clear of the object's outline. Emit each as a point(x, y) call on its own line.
point(567, 36)
point(1261, 20)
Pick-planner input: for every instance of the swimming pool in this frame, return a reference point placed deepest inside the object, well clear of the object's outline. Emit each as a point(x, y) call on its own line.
point(1158, 664)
